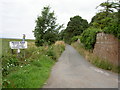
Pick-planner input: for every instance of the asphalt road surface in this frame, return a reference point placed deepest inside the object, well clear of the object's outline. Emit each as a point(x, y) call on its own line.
point(73, 71)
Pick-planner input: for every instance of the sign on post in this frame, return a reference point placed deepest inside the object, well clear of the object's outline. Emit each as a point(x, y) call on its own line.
point(18, 44)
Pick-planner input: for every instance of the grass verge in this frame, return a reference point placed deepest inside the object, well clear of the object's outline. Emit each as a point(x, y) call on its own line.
point(104, 64)
point(32, 70)
point(32, 75)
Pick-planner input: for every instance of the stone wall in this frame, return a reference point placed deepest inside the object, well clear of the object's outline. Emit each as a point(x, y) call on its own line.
point(107, 47)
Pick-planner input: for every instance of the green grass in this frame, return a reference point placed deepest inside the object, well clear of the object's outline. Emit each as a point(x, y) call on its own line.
point(32, 75)
point(99, 62)
point(32, 70)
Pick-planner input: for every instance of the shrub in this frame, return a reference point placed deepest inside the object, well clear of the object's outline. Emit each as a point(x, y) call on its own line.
point(75, 38)
point(50, 52)
point(114, 29)
point(55, 50)
point(8, 61)
point(88, 38)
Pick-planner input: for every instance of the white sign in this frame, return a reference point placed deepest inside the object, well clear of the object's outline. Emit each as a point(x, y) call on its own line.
point(18, 44)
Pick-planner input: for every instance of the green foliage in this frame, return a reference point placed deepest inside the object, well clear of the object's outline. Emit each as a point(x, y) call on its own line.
point(108, 18)
point(46, 29)
point(58, 49)
point(61, 35)
point(75, 38)
point(110, 6)
point(113, 27)
point(105, 64)
point(107, 7)
point(31, 71)
point(88, 37)
point(101, 21)
point(8, 61)
point(75, 27)
point(55, 51)
point(97, 61)
point(50, 52)
point(32, 75)
point(50, 38)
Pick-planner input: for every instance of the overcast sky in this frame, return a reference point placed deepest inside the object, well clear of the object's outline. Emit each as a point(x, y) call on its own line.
point(18, 17)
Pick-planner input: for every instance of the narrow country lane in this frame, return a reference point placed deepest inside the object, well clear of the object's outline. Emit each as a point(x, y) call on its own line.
point(73, 71)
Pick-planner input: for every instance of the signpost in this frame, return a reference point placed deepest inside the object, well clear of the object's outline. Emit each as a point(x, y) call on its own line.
point(18, 45)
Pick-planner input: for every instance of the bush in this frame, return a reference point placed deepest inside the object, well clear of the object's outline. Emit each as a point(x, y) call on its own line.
point(39, 42)
point(88, 38)
point(75, 38)
point(50, 52)
point(8, 61)
point(114, 29)
point(55, 50)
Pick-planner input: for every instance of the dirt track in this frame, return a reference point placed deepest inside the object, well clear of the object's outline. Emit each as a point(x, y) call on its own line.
point(73, 71)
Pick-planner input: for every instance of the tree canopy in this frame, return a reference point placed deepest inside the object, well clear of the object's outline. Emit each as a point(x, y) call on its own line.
point(75, 27)
point(46, 29)
point(108, 18)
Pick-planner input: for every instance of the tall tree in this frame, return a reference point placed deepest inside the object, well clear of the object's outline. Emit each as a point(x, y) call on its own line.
point(75, 27)
point(109, 6)
point(108, 18)
point(46, 29)
point(107, 14)
point(101, 21)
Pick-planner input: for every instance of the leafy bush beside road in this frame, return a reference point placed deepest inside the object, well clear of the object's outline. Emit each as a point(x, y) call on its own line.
point(75, 38)
point(88, 37)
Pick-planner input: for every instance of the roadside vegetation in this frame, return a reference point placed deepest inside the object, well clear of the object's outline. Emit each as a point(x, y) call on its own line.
point(104, 64)
point(106, 20)
point(32, 70)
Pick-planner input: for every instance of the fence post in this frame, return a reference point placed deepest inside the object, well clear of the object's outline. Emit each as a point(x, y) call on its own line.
point(24, 53)
point(12, 51)
point(18, 52)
